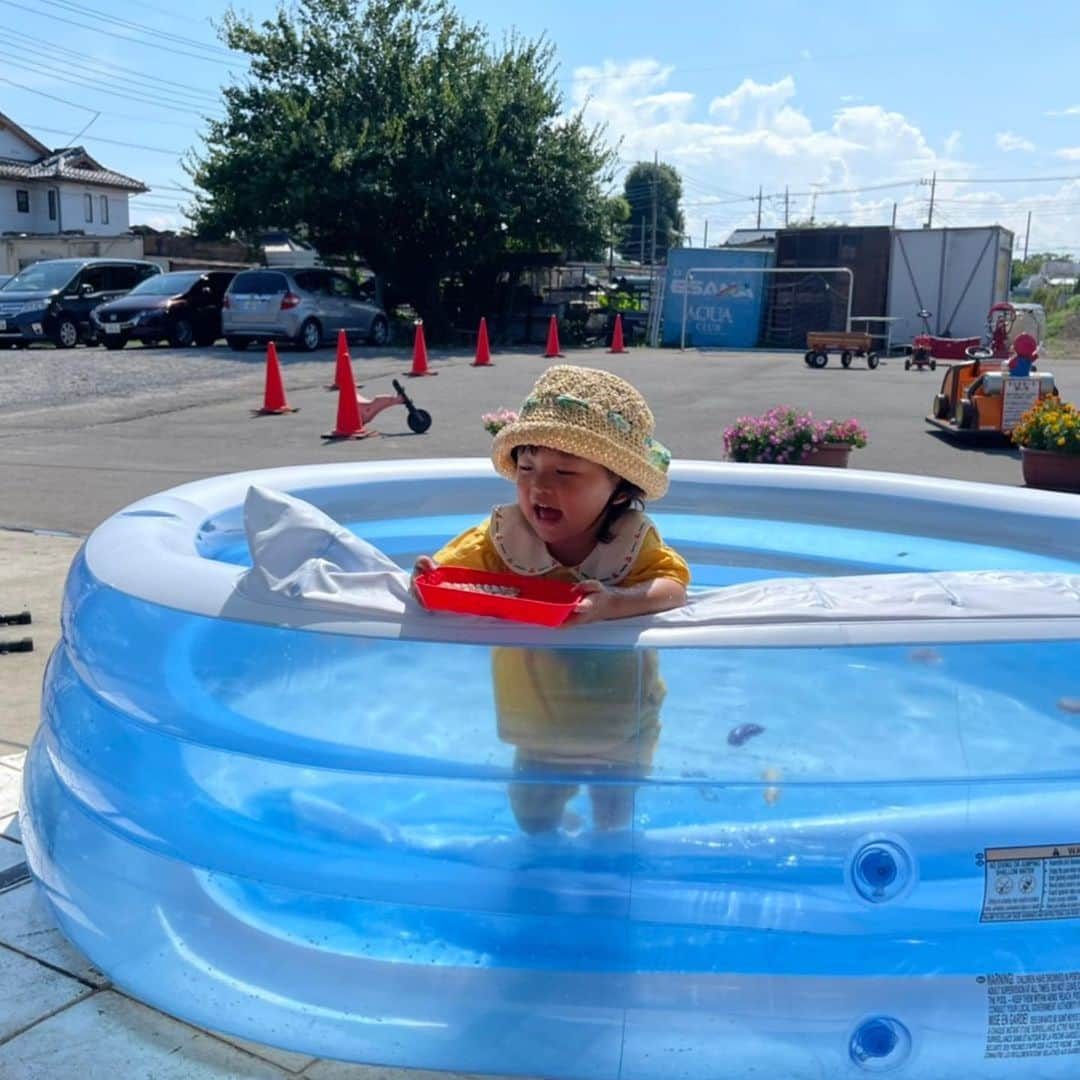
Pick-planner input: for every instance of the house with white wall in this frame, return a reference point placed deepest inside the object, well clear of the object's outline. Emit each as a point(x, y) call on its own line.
point(60, 203)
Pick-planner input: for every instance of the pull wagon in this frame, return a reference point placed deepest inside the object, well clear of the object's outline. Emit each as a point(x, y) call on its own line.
point(848, 343)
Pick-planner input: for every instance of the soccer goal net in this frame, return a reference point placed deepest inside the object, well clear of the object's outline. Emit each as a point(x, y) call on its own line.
point(772, 307)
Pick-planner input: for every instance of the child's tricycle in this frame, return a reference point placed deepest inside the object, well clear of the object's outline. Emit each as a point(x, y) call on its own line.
point(848, 343)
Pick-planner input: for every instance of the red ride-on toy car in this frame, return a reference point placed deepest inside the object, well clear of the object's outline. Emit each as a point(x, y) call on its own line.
point(927, 348)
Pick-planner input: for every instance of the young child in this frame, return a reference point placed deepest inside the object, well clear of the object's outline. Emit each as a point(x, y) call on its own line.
point(583, 458)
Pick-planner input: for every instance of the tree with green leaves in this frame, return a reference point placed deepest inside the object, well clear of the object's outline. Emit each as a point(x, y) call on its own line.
point(638, 189)
point(394, 132)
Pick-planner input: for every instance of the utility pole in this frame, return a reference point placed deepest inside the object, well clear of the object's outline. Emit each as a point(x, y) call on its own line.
point(813, 206)
point(706, 243)
point(759, 206)
point(655, 198)
point(1027, 236)
point(893, 215)
point(930, 216)
point(785, 206)
point(641, 238)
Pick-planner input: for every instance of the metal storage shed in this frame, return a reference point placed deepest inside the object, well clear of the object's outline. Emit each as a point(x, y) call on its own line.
point(955, 274)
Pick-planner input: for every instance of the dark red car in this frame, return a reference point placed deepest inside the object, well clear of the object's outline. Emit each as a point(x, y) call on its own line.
point(182, 308)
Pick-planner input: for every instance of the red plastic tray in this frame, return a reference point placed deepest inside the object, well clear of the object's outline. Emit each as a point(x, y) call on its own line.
point(538, 600)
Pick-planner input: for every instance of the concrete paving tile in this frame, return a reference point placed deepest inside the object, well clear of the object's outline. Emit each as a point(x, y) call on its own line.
point(10, 786)
point(10, 853)
point(30, 991)
point(111, 1036)
point(9, 828)
point(27, 924)
point(294, 1063)
point(14, 761)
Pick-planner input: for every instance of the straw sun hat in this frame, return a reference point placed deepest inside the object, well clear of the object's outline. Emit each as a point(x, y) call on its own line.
point(594, 415)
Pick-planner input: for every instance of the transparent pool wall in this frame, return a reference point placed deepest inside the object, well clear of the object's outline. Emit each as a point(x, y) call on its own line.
point(308, 838)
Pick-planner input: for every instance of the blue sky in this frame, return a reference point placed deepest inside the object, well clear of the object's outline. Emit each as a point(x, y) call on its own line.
point(831, 98)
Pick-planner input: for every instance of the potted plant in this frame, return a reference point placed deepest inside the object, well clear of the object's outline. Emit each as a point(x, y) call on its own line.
point(1049, 439)
point(495, 421)
point(785, 436)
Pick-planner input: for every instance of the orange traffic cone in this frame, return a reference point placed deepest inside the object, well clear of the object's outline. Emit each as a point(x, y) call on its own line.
point(483, 349)
point(350, 425)
point(552, 349)
point(343, 360)
point(419, 354)
point(274, 403)
point(617, 345)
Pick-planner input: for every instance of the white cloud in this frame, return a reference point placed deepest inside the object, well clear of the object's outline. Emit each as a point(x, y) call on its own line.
point(1069, 153)
point(1072, 110)
point(1009, 140)
point(752, 133)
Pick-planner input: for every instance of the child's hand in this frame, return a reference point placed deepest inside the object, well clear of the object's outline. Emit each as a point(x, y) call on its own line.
point(423, 565)
point(596, 602)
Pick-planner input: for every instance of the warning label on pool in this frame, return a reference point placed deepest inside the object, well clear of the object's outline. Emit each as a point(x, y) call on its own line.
point(1029, 883)
point(1032, 1015)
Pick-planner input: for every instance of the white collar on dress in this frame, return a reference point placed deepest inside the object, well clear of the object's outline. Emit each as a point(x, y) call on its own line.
point(524, 552)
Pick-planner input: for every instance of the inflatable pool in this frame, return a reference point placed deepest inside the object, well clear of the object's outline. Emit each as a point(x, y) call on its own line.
point(841, 834)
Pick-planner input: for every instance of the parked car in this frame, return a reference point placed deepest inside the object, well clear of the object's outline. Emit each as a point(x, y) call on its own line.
point(52, 300)
point(304, 305)
point(182, 307)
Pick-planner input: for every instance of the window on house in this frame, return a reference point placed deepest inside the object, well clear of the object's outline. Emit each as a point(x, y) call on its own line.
point(104, 209)
point(22, 201)
point(88, 207)
point(52, 205)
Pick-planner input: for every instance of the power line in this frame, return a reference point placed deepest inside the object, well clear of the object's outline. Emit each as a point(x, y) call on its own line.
point(140, 28)
point(79, 60)
point(121, 37)
point(97, 112)
point(140, 95)
point(115, 142)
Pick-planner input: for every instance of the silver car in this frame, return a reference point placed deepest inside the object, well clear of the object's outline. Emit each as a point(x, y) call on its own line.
point(307, 306)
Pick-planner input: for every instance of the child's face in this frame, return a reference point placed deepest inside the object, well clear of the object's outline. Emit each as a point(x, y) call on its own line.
point(563, 498)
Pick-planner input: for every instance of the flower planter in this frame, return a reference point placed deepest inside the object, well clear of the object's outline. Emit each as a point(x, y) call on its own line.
point(830, 455)
point(1054, 472)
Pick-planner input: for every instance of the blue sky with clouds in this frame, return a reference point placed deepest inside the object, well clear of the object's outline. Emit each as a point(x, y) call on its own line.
point(838, 99)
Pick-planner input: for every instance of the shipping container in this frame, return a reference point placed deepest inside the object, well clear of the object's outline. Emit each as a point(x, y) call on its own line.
point(797, 304)
point(956, 275)
point(722, 306)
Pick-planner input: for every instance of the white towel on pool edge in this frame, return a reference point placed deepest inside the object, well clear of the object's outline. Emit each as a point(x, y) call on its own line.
point(301, 556)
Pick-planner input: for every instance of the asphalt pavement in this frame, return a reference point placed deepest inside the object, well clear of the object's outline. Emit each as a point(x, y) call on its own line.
point(84, 432)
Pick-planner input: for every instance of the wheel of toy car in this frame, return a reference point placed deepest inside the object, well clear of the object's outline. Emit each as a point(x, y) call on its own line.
point(237, 344)
point(871, 360)
point(114, 342)
point(419, 421)
point(940, 407)
point(967, 416)
point(845, 358)
point(907, 364)
point(820, 359)
point(933, 365)
point(809, 358)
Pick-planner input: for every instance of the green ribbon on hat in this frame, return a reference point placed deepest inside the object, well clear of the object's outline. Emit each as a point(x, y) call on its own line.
point(659, 454)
